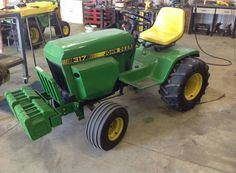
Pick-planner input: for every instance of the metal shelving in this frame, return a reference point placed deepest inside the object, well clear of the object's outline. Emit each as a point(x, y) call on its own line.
point(20, 59)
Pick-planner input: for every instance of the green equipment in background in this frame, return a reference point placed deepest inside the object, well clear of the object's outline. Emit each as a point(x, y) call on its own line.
point(89, 67)
point(39, 15)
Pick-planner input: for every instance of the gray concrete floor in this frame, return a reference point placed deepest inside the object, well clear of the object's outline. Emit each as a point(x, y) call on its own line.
point(158, 140)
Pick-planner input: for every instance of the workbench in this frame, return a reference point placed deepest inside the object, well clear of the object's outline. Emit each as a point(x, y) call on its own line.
point(20, 58)
point(214, 11)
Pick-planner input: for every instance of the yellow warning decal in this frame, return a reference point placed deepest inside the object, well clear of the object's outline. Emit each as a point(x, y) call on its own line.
point(97, 55)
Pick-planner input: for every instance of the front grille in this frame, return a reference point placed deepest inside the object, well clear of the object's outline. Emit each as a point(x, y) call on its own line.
point(58, 76)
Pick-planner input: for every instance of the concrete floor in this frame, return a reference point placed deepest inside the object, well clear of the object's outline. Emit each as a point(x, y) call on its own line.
point(158, 140)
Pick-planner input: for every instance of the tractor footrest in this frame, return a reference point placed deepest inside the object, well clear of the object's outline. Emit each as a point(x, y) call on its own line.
point(34, 114)
point(144, 83)
point(139, 78)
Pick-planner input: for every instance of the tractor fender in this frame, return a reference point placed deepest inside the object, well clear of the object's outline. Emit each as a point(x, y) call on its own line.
point(153, 67)
point(166, 60)
point(159, 64)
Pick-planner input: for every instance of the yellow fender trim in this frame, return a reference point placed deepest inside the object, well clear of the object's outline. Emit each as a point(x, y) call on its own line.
point(34, 8)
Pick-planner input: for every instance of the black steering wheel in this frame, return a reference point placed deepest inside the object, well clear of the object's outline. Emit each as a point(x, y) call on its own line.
point(136, 19)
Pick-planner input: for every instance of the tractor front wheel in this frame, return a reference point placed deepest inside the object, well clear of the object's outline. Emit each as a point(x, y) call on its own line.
point(107, 125)
point(65, 28)
point(186, 84)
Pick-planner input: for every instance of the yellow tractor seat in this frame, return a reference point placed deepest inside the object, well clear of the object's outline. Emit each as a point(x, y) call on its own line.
point(168, 27)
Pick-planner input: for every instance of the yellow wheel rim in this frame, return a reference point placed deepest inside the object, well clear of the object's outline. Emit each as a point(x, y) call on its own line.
point(115, 129)
point(193, 86)
point(34, 34)
point(66, 30)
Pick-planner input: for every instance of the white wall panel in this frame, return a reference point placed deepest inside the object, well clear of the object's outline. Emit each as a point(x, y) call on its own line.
point(72, 11)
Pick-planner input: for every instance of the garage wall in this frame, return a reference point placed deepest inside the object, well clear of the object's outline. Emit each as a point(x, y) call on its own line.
point(72, 11)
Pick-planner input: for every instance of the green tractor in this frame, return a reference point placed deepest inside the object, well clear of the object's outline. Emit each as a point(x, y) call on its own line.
point(91, 67)
point(37, 13)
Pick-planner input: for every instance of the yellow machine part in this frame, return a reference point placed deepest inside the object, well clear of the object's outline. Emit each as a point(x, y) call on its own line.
point(141, 13)
point(148, 5)
point(222, 2)
point(168, 27)
point(115, 129)
point(193, 86)
point(34, 8)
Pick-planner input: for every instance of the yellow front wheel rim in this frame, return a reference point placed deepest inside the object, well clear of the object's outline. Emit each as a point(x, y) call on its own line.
point(115, 129)
point(66, 30)
point(193, 86)
point(34, 34)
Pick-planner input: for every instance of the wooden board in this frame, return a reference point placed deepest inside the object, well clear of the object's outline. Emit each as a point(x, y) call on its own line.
point(9, 61)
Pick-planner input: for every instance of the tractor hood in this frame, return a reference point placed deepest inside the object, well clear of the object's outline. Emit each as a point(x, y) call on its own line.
point(85, 44)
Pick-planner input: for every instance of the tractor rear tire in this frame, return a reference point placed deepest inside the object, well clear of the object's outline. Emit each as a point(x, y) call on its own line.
point(186, 84)
point(35, 35)
point(65, 27)
point(107, 125)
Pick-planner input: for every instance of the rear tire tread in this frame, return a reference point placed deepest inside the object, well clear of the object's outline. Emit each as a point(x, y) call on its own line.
point(172, 90)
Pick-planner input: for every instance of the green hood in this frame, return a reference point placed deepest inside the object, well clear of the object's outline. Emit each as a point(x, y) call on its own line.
point(86, 43)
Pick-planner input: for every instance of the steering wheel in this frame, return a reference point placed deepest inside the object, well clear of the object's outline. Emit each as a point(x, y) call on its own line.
point(136, 20)
point(135, 16)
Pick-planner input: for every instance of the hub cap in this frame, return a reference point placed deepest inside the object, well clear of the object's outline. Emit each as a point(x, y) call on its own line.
point(193, 86)
point(115, 129)
point(34, 34)
point(66, 30)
